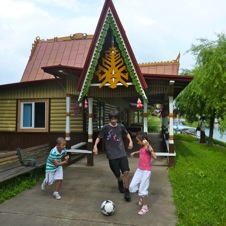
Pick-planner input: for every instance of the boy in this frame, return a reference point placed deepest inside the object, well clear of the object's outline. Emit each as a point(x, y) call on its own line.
point(112, 135)
point(54, 169)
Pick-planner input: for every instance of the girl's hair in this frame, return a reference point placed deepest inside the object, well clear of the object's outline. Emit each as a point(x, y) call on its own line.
point(142, 136)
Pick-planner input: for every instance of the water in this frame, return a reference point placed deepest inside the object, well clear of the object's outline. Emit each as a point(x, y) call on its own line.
point(216, 134)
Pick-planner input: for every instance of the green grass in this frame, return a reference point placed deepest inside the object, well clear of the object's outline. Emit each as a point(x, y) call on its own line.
point(199, 182)
point(185, 137)
point(12, 187)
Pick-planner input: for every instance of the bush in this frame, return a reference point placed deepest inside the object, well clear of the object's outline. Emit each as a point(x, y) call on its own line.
point(154, 124)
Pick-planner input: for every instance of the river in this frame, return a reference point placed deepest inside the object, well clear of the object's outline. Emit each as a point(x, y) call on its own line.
point(216, 134)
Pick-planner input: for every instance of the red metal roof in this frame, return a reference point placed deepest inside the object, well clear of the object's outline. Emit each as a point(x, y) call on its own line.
point(73, 53)
point(67, 51)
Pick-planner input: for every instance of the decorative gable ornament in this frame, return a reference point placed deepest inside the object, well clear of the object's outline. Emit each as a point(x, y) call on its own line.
point(109, 22)
point(113, 70)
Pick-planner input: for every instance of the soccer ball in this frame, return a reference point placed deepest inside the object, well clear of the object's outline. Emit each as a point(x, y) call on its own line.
point(107, 207)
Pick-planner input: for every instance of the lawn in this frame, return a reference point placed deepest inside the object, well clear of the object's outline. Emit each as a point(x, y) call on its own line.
point(199, 182)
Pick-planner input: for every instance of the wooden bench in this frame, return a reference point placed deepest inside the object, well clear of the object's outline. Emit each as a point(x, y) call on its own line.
point(74, 150)
point(78, 145)
point(34, 156)
point(10, 166)
point(22, 161)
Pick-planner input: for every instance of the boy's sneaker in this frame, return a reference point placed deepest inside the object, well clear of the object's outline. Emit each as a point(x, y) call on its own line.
point(127, 195)
point(43, 185)
point(121, 186)
point(56, 195)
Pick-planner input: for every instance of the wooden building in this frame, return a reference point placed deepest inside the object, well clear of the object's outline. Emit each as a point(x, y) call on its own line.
point(71, 83)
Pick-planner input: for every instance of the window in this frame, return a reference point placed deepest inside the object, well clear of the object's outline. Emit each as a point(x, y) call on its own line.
point(33, 115)
point(138, 117)
point(100, 114)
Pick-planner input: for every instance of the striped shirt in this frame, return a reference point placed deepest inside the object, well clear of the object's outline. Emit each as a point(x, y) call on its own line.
point(54, 155)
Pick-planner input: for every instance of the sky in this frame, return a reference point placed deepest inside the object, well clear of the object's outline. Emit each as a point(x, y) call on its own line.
point(158, 30)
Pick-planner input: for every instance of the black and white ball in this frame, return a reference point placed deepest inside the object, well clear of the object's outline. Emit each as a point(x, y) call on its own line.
point(107, 207)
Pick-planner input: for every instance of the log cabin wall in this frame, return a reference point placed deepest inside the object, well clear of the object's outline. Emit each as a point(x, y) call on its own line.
point(8, 115)
point(11, 139)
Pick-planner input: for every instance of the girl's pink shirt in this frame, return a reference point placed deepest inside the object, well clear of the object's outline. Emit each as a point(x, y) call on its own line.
point(144, 159)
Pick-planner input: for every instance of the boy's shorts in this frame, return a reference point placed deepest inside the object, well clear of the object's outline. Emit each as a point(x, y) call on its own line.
point(119, 165)
point(52, 176)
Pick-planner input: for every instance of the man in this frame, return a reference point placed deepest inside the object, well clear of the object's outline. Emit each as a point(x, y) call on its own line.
point(111, 133)
point(202, 129)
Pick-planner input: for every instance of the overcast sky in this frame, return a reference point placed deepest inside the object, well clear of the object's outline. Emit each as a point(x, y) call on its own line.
point(157, 29)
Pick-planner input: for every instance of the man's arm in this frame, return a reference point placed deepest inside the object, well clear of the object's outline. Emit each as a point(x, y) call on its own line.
point(130, 141)
point(95, 149)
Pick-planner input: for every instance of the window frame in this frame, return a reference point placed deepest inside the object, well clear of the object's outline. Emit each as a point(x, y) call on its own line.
point(138, 117)
point(20, 114)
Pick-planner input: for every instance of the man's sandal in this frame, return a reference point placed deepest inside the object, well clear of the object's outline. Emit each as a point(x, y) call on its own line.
point(143, 210)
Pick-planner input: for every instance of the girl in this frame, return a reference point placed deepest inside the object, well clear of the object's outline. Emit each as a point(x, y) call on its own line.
point(141, 179)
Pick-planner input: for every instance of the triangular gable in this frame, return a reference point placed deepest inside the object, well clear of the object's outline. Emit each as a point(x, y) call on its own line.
point(109, 19)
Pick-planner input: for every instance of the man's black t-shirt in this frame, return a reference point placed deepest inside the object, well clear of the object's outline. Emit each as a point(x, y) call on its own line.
point(113, 140)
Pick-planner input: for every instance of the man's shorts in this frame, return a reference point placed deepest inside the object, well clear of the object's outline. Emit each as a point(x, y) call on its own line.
point(52, 176)
point(119, 165)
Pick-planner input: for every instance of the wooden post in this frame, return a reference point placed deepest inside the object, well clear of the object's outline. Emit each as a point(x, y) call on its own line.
point(145, 115)
point(171, 140)
point(90, 132)
point(68, 128)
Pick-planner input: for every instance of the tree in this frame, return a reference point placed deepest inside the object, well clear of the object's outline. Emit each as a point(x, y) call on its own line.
point(206, 95)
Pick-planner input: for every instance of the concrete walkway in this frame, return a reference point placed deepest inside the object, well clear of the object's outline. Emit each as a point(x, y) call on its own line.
point(83, 190)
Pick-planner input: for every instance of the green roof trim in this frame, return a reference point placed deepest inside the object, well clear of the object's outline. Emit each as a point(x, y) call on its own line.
point(110, 23)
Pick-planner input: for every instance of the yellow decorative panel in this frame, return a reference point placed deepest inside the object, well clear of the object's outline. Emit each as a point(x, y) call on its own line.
point(112, 70)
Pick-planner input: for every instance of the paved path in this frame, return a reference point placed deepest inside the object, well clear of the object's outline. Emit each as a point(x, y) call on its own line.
point(83, 190)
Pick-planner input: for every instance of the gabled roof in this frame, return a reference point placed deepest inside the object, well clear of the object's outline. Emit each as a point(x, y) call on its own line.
point(110, 20)
point(166, 67)
point(49, 56)
point(70, 51)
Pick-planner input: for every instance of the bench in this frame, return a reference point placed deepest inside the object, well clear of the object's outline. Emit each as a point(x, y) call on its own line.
point(10, 166)
point(78, 145)
point(74, 150)
point(22, 161)
point(165, 154)
point(19, 162)
point(34, 156)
